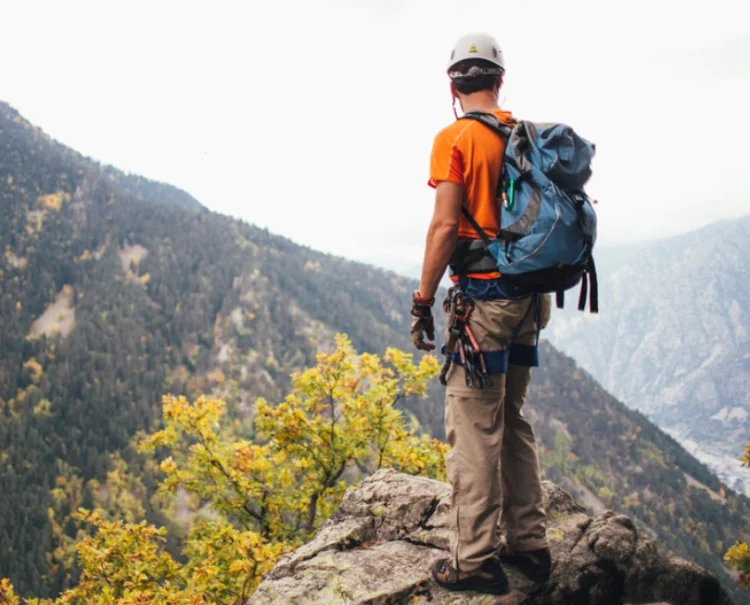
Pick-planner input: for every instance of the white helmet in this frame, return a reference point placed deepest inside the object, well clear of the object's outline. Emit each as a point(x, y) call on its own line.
point(477, 46)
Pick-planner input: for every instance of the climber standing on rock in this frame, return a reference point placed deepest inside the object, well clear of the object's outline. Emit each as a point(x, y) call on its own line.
point(491, 342)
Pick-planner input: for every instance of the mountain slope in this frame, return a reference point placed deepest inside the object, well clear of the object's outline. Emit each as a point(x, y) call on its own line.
point(672, 339)
point(108, 300)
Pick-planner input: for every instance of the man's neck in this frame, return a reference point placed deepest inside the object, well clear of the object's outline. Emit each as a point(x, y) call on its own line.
point(484, 101)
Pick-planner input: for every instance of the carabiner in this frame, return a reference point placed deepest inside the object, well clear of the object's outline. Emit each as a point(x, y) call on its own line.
point(510, 199)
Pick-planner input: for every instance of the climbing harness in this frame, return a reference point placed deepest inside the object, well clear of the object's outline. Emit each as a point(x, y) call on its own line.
point(462, 343)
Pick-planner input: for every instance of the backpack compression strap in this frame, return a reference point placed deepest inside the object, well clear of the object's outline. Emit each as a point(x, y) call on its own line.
point(589, 289)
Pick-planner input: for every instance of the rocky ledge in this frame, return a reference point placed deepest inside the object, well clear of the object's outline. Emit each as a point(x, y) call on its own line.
point(379, 546)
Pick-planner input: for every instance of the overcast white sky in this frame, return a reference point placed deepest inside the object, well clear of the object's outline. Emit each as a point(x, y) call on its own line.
point(315, 118)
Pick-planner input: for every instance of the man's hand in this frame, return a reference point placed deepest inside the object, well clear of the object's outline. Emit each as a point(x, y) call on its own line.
point(422, 323)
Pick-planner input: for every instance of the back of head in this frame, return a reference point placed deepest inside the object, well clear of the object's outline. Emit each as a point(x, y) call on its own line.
point(476, 63)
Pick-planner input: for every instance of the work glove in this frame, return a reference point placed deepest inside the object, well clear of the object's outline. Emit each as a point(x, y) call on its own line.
point(422, 323)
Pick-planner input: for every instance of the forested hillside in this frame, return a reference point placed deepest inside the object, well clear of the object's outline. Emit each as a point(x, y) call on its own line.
point(115, 290)
point(109, 301)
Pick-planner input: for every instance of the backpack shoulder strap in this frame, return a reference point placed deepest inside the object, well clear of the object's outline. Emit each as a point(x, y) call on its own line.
point(473, 223)
point(503, 131)
point(491, 121)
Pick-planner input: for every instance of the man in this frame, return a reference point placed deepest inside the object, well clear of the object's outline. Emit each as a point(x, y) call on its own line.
point(492, 466)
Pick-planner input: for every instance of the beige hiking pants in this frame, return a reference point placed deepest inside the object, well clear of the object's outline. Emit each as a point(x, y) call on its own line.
point(493, 466)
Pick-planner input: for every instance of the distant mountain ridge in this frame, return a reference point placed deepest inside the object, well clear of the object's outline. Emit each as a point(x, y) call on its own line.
point(148, 190)
point(673, 338)
point(109, 299)
point(16, 126)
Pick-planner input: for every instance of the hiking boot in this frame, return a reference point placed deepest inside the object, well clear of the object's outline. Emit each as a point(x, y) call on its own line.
point(490, 578)
point(536, 565)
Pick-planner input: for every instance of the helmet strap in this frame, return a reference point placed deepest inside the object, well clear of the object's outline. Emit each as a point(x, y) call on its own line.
point(455, 113)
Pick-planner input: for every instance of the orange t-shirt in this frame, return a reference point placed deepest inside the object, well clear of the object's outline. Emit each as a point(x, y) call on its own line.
point(470, 154)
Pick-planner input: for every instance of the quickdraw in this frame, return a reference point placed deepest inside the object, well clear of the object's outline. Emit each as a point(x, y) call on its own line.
point(461, 340)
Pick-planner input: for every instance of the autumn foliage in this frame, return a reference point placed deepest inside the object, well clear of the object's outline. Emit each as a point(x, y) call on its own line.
point(738, 556)
point(236, 504)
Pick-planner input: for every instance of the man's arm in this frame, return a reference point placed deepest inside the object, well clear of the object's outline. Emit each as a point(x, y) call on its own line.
point(442, 236)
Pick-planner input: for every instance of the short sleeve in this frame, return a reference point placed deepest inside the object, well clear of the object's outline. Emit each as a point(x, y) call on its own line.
point(446, 162)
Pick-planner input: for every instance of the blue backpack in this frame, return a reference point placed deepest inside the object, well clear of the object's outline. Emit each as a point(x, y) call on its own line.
point(547, 222)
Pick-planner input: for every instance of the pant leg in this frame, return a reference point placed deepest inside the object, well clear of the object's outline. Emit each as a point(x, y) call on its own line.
point(475, 432)
point(474, 428)
point(523, 517)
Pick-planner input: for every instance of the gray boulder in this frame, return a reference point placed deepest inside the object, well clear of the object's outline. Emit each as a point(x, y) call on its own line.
point(378, 548)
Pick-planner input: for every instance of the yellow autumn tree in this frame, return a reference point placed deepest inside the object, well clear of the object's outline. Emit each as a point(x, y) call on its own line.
point(240, 504)
point(341, 420)
point(7, 594)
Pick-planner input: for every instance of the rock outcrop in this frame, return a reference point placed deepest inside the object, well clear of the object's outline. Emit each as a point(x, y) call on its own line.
point(380, 544)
